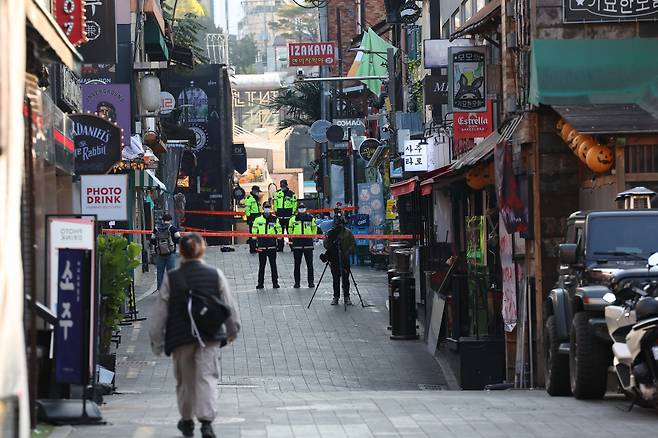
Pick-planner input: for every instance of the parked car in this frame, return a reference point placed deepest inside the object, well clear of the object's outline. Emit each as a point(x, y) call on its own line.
point(577, 348)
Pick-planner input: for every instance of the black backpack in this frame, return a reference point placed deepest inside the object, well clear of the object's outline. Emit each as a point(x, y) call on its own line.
point(207, 311)
point(164, 244)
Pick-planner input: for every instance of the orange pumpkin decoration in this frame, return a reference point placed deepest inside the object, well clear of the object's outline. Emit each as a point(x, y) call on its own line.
point(560, 124)
point(489, 173)
point(575, 143)
point(475, 178)
point(600, 158)
point(566, 131)
point(584, 147)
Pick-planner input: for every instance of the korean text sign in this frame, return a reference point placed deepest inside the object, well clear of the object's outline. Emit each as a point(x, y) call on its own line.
point(311, 54)
point(72, 330)
point(105, 196)
point(612, 11)
point(415, 156)
point(467, 78)
point(70, 15)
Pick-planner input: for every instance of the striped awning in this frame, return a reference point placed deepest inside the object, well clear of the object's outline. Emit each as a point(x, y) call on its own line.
point(147, 178)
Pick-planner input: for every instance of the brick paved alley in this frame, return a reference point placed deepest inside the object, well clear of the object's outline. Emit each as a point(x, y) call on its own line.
point(324, 372)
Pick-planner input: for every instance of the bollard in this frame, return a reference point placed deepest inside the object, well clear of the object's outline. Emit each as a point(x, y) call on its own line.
point(403, 308)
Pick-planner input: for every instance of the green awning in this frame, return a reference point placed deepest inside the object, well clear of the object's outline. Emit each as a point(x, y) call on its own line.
point(154, 41)
point(581, 72)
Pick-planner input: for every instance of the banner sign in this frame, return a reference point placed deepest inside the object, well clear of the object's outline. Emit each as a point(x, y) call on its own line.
point(436, 89)
point(467, 79)
point(111, 101)
point(473, 125)
point(239, 157)
point(70, 15)
point(415, 156)
point(105, 196)
point(101, 46)
point(98, 73)
point(509, 276)
point(97, 144)
point(71, 332)
point(609, 11)
point(368, 147)
point(311, 54)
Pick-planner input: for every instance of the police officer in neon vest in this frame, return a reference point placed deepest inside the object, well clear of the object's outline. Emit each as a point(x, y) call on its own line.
point(251, 212)
point(303, 223)
point(267, 223)
point(285, 205)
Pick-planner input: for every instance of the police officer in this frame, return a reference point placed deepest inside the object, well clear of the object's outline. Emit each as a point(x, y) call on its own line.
point(303, 223)
point(267, 223)
point(285, 205)
point(340, 243)
point(251, 212)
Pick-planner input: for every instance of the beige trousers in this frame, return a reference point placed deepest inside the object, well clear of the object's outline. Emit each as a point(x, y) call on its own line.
point(197, 374)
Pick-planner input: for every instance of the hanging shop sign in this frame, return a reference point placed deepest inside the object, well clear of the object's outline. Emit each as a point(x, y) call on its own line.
point(609, 11)
point(410, 12)
point(70, 261)
point(111, 101)
point(67, 89)
point(368, 147)
point(98, 73)
point(70, 15)
point(105, 196)
point(97, 144)
point(415, 156)
point(508, 268)
point(239, 157)
point(436, 89)
point(391, 209)
point(467, 79)
point(311, 54)
point(435, 52)
point(472, 124)
point(101, 46)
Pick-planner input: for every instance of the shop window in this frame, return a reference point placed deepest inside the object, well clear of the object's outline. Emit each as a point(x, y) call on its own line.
point(467, 10)
point(479, 4)
point(445, 30)
point(641, 158)
point(456, 20)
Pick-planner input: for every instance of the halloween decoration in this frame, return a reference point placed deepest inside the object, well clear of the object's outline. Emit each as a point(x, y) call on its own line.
point(575, 143)
point(584, 147)
point(480, 176)
point(600, 158)
point(566, 131)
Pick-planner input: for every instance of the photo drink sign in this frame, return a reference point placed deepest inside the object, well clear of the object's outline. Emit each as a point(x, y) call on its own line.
point(105, 196)
point(467, 79)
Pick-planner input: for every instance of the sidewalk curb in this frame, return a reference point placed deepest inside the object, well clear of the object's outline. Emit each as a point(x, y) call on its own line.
point(451, 378)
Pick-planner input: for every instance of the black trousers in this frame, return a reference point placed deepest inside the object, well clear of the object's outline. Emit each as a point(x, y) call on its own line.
point(284, 221)
point(307, 253)
point(339, 274)
point(263, 257)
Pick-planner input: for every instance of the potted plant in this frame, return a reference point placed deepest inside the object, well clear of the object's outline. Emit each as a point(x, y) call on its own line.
point(118, 258)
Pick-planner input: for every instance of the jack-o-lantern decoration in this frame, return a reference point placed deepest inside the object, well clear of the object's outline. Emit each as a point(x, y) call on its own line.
point(475, 178)
point(489, 173)
point(575, 143)
point(600, 158)
point(568, 132)
point(584, 147)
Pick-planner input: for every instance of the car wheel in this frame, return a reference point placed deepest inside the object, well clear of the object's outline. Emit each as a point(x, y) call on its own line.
point(589, 358)
point(556, 368)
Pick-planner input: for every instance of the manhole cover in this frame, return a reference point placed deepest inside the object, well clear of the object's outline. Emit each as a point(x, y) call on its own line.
point(424, 387)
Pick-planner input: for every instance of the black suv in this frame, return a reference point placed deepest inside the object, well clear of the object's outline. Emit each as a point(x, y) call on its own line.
point(577, 350)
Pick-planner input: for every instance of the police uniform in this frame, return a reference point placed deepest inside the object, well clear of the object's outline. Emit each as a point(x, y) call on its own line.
point(285, 205)
point(251, 212)
point(303, 223)
point(266, 224)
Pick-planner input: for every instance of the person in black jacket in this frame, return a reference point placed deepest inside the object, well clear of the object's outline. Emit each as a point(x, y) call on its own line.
point(164, 238)
point(195, 360)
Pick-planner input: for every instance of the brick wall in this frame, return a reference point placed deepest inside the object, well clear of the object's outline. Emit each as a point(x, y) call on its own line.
point(349, 19)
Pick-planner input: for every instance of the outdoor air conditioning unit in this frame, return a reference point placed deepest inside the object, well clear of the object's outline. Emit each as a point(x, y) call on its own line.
point(636, 198)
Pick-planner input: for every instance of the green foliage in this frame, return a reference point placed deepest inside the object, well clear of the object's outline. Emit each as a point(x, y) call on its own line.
point(242, 54)
point(296, 24)
point(301, 102)
point(415, 84)
point(187, 31)
point(117, 260)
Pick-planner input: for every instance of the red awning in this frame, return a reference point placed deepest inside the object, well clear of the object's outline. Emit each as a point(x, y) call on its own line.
point(404, 187)
point(426, 187)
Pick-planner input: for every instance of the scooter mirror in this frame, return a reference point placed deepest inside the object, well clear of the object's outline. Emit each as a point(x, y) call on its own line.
point(653, 260)
point(609, 298)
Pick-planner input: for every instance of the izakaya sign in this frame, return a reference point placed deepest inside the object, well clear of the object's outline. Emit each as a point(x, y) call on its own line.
point(105, 196)
point(473, 125)
point(70, 15)
point(311, 54)
point(612, 11)
point(97, 144)
point(467, 78)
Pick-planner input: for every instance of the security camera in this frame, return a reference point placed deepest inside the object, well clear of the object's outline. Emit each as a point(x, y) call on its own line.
point(300, 74)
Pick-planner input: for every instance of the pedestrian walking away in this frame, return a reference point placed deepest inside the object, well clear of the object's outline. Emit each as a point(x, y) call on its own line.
point(339, 244)
point(179, 330)
point(285, 205)
point(303, 223)
point(268, 224)
point(251, 212)
point(164, 238)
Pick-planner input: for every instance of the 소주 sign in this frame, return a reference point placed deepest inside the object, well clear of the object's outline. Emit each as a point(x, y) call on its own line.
point(97, 144)
point(106, 196)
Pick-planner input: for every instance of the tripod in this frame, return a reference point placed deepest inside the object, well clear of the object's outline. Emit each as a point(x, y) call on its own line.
point(340, 265)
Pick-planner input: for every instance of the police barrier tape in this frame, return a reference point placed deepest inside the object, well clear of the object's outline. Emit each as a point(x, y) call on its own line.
point(278, 236)
point(240, 213)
